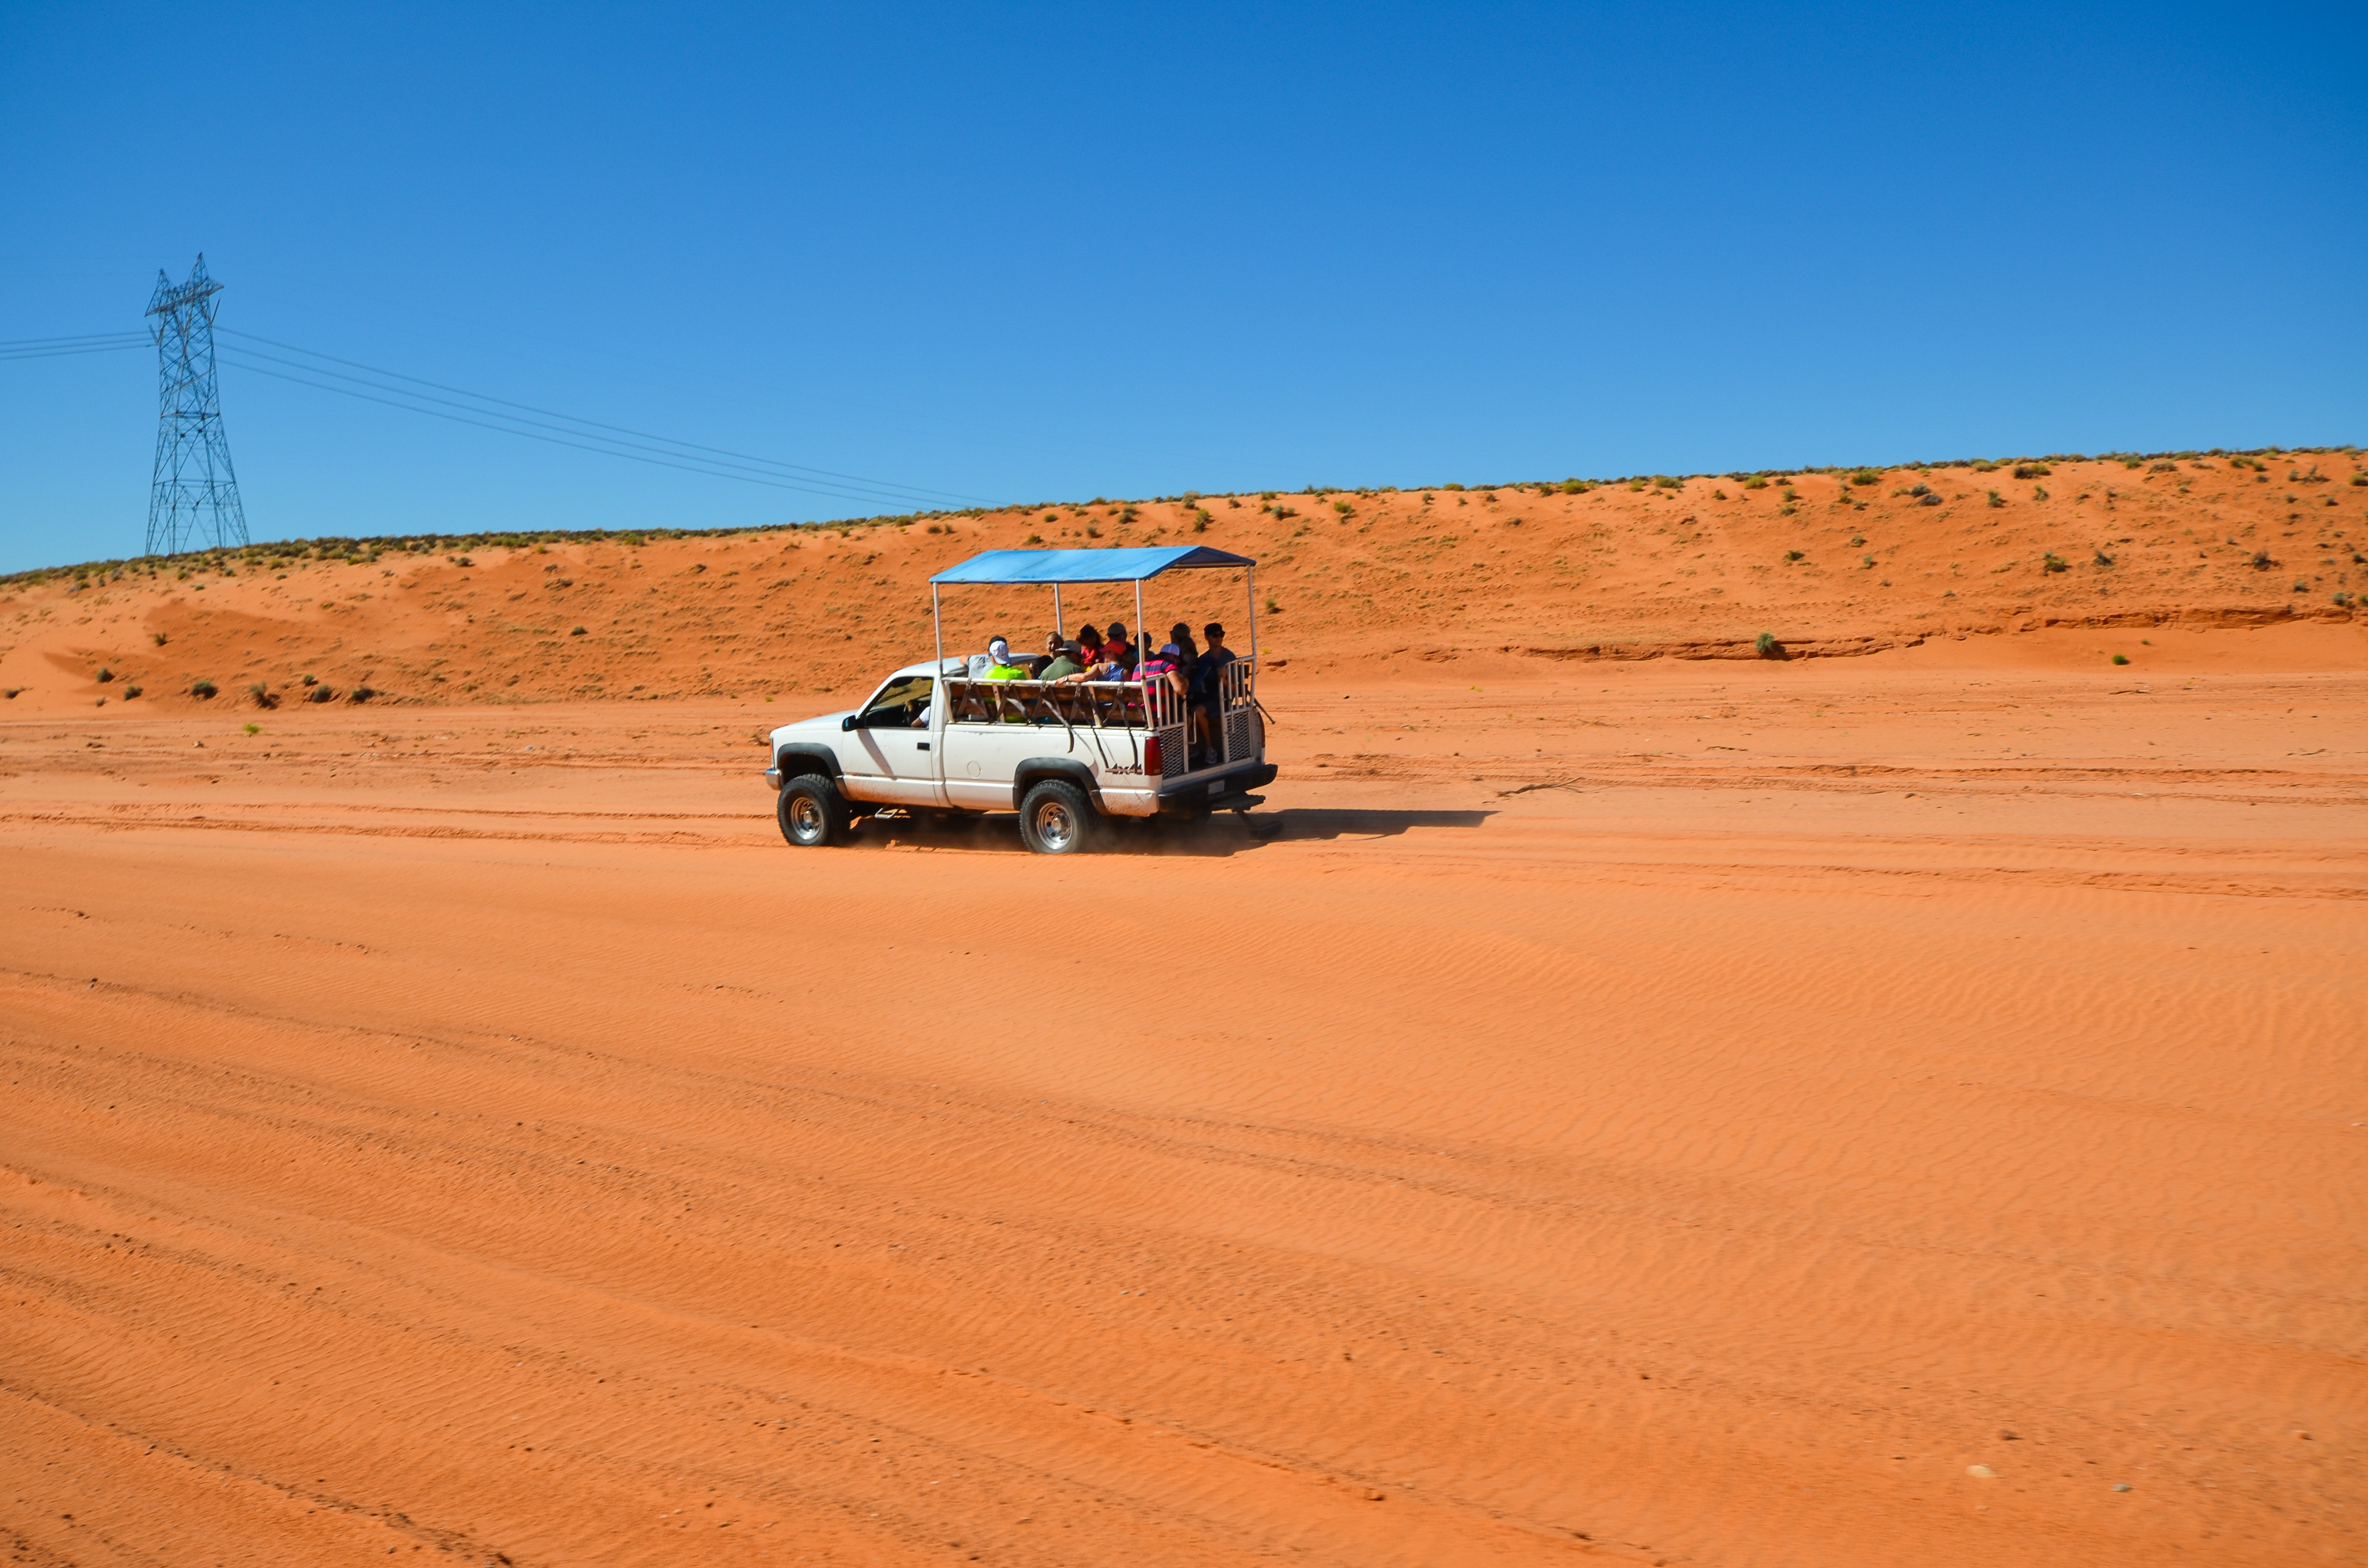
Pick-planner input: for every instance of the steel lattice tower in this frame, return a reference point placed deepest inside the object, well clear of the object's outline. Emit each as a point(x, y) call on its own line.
point(194, 497)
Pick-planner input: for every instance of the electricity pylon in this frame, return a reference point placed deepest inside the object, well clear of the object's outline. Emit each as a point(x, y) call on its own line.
point(194, 498)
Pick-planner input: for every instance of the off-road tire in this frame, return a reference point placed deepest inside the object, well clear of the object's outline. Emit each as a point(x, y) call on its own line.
point(1057, 819)
point(812, 812)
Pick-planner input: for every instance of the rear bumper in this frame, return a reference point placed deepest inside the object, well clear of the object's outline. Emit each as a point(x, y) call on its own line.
point(1217, 791)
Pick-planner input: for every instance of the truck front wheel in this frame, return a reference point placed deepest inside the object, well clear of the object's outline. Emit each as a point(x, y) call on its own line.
point(1055, 819)
point(812, 812)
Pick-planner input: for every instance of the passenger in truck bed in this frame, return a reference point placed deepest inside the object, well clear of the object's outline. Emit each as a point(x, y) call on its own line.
point(1208, 693)
point(1119, 652)
point(1166, 666)
point(1060, 662)
point(1090, 656)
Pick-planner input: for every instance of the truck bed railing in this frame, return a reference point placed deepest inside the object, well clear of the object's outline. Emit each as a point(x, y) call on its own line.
point(1151, 707)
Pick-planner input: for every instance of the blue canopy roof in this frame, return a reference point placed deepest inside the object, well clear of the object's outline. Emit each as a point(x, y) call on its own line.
point(1085, 565)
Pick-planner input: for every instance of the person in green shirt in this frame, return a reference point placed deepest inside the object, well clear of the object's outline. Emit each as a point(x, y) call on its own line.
point(998, 663)
point(1060, 664)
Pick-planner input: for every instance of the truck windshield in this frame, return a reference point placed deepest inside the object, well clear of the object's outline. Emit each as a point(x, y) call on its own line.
point(899, 704)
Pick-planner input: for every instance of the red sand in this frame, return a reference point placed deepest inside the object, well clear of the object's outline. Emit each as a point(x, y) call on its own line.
point(1675, 1111)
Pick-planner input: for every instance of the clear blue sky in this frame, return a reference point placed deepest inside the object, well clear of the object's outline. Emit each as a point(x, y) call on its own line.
point(1020, 253)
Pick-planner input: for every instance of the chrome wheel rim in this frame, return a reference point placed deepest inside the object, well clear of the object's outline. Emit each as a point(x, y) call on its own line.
point(1055, 826)
point(805, 818)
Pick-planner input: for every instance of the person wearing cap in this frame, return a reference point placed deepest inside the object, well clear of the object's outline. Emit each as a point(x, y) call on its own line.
point(1118, 652)
point(998, 663)
point(1060, 662)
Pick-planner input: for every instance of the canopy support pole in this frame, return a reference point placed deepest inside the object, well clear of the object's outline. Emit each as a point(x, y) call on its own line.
point(937, 621)
point(1138, 618)
point(1251, 578)
point(1058, 624)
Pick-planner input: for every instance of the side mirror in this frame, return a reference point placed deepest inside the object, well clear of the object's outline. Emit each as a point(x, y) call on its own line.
point(848, 722)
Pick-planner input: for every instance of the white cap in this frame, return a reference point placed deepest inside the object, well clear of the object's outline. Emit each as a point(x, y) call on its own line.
point(999, 651)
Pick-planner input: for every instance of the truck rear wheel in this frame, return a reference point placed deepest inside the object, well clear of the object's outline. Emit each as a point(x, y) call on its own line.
point(1055, 819)
point(812, 812)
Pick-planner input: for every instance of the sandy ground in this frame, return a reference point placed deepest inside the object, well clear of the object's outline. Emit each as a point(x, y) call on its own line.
point(1667, 1111)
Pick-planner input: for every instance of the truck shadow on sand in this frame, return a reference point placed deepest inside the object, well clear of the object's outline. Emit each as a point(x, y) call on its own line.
point(1226, 833)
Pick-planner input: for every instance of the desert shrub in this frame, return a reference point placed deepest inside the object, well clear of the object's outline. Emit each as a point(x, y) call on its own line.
point(1985, 466)
point(1272, 607)
point(1580, 486)
point(2360, 479)
point(311, 681)
point(1786, 510)
point(1200, 522)
point(1792, 555)
point(261, 694)
point(252, 729)
point(11, 693)
point(1864, 476)
point(1031, 539)
point(2039, 493)
point(157, 638)
point(360, 694)
point(1755, 483)
point(2054, 562)
point(1996, 499)
point(130, 691)
point(1092, 532)
point(2104, 559)
point(2032, 470)
point(104, 676)
point(1929, 498)
point(2120, 658)
point(320, 694)
point(1765, 644)
point(202, 689)
point(578, 632)
point(2262, 562)
point(1343, 508)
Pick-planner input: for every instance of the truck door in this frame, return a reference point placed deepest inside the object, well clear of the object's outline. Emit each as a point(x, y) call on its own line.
point(892, 760)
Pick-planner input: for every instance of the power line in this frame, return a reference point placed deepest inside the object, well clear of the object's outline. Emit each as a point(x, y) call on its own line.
point(572, 431)
point(107, 338)
point(584, 441)
point(553, 440)
point(886, 488)
point(10, 354)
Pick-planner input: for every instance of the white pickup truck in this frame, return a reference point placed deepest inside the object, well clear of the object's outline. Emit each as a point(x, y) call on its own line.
point(1063, 755)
